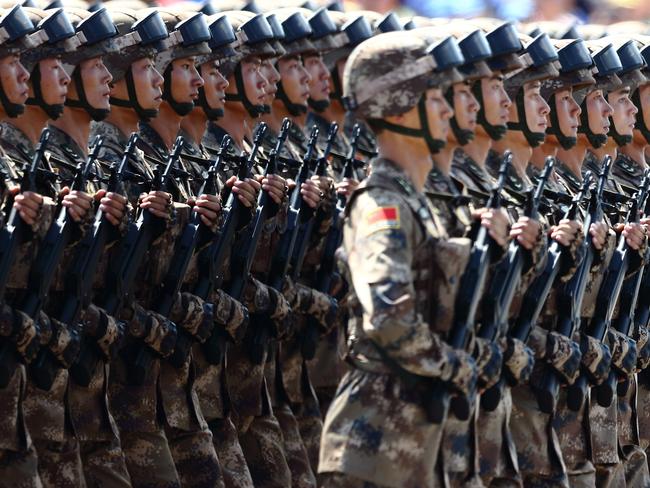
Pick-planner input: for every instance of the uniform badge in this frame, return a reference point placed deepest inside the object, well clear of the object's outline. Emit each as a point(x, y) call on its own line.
point(382, 218)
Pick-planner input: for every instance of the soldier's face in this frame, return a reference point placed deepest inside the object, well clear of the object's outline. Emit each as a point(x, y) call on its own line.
point(254, 81)
point(148, 84)
point(319, 87)
point(438, 113)
point(465, 106)
point(496, 102)
point(186, 80)
point(535, 107)
point(54, 81)
point(568, 112)
point(215, 85)
point(96, 81)
point(272, 76)
point(625, 111)
point(295, 79)
point(598, 112)
point(13, 77)
point(644, 98)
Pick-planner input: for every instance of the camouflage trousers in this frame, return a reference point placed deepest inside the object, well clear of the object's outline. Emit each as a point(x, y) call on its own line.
point(149, 460)
point(339, 480)
point(497, 455)
point(302, 474)
point(19, 469)
point(195, 458)
point(538, 451)
point(459, 451)
point(59, 463)
point(310, 422)
point(263, 446)
point(104, 465)
point(231, 457)
point(610, 475)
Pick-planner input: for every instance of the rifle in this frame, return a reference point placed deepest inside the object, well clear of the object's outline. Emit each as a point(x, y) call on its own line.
point(535, 297)
point(79, 279)
point(213, 259)
point(61, 232)
point(607, 297)
point(133, 249)
point(470, 292)
point(323, 278)
point(505, 281)
point(628, 298)
point(258, 340)
point(16, 232)
point(195, 234)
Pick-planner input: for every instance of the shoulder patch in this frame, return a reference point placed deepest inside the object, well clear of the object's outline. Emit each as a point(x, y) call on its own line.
point(382, 218)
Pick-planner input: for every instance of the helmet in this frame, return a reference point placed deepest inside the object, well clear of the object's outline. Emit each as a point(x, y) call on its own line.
point(97, 32)
point(575, 72)
point(55, 28)
point(389, 74)
point(540, 62)
point(137, 38)
point(297, 32)
point(606, 69)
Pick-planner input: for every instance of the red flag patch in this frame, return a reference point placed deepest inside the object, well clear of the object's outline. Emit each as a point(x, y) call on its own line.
point(382, 218)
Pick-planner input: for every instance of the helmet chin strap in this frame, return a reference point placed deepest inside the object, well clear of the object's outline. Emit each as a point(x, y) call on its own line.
point(434, 145)
point(495, 132)
point(212, 113)
point(254, 110)
point(97, 114)
point(534, 139)
point(181, 108)
point(53, 111)
point(566, 142)
point(620, 139)
point(295, 109)
point(145, 114)
point(640, 124)
point(318, 106)
point(337, 92)
point(596, 140)
point(463, 136)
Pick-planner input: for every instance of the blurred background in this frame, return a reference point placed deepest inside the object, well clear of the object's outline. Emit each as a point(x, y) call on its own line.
point(569, 11)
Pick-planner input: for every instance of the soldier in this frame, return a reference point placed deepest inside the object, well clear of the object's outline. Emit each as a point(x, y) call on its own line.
point(259, 432)
point(389, 228)
point(210, 378)
point(18, 461)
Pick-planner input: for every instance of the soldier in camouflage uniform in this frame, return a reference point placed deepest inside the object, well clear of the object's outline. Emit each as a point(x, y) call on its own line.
point(210, 378)
point(258, 429)
point(18, 462)
point(390, 239)
point(91, 421)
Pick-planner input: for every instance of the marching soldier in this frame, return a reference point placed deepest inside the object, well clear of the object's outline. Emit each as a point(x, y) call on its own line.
point(376, 420)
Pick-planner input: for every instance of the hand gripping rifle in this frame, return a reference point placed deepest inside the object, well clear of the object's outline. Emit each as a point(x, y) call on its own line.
point(195, 234)
point(16, 232)
point(505, 281)
point(323, 278)
point(60, 234)
point(259, 338)
point(627, 303)
point(133, 249)
point(470, 292)
point(79, 279)
point(213, 259)
point(570, 297)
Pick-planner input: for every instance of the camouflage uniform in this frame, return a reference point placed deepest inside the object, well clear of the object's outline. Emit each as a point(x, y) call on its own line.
point(497, 453)
point(210, 379)
point(18, 460)
point(188, 434)
point(136, 407)
point(390, 296)
point(628, 174)
point(93, 424)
